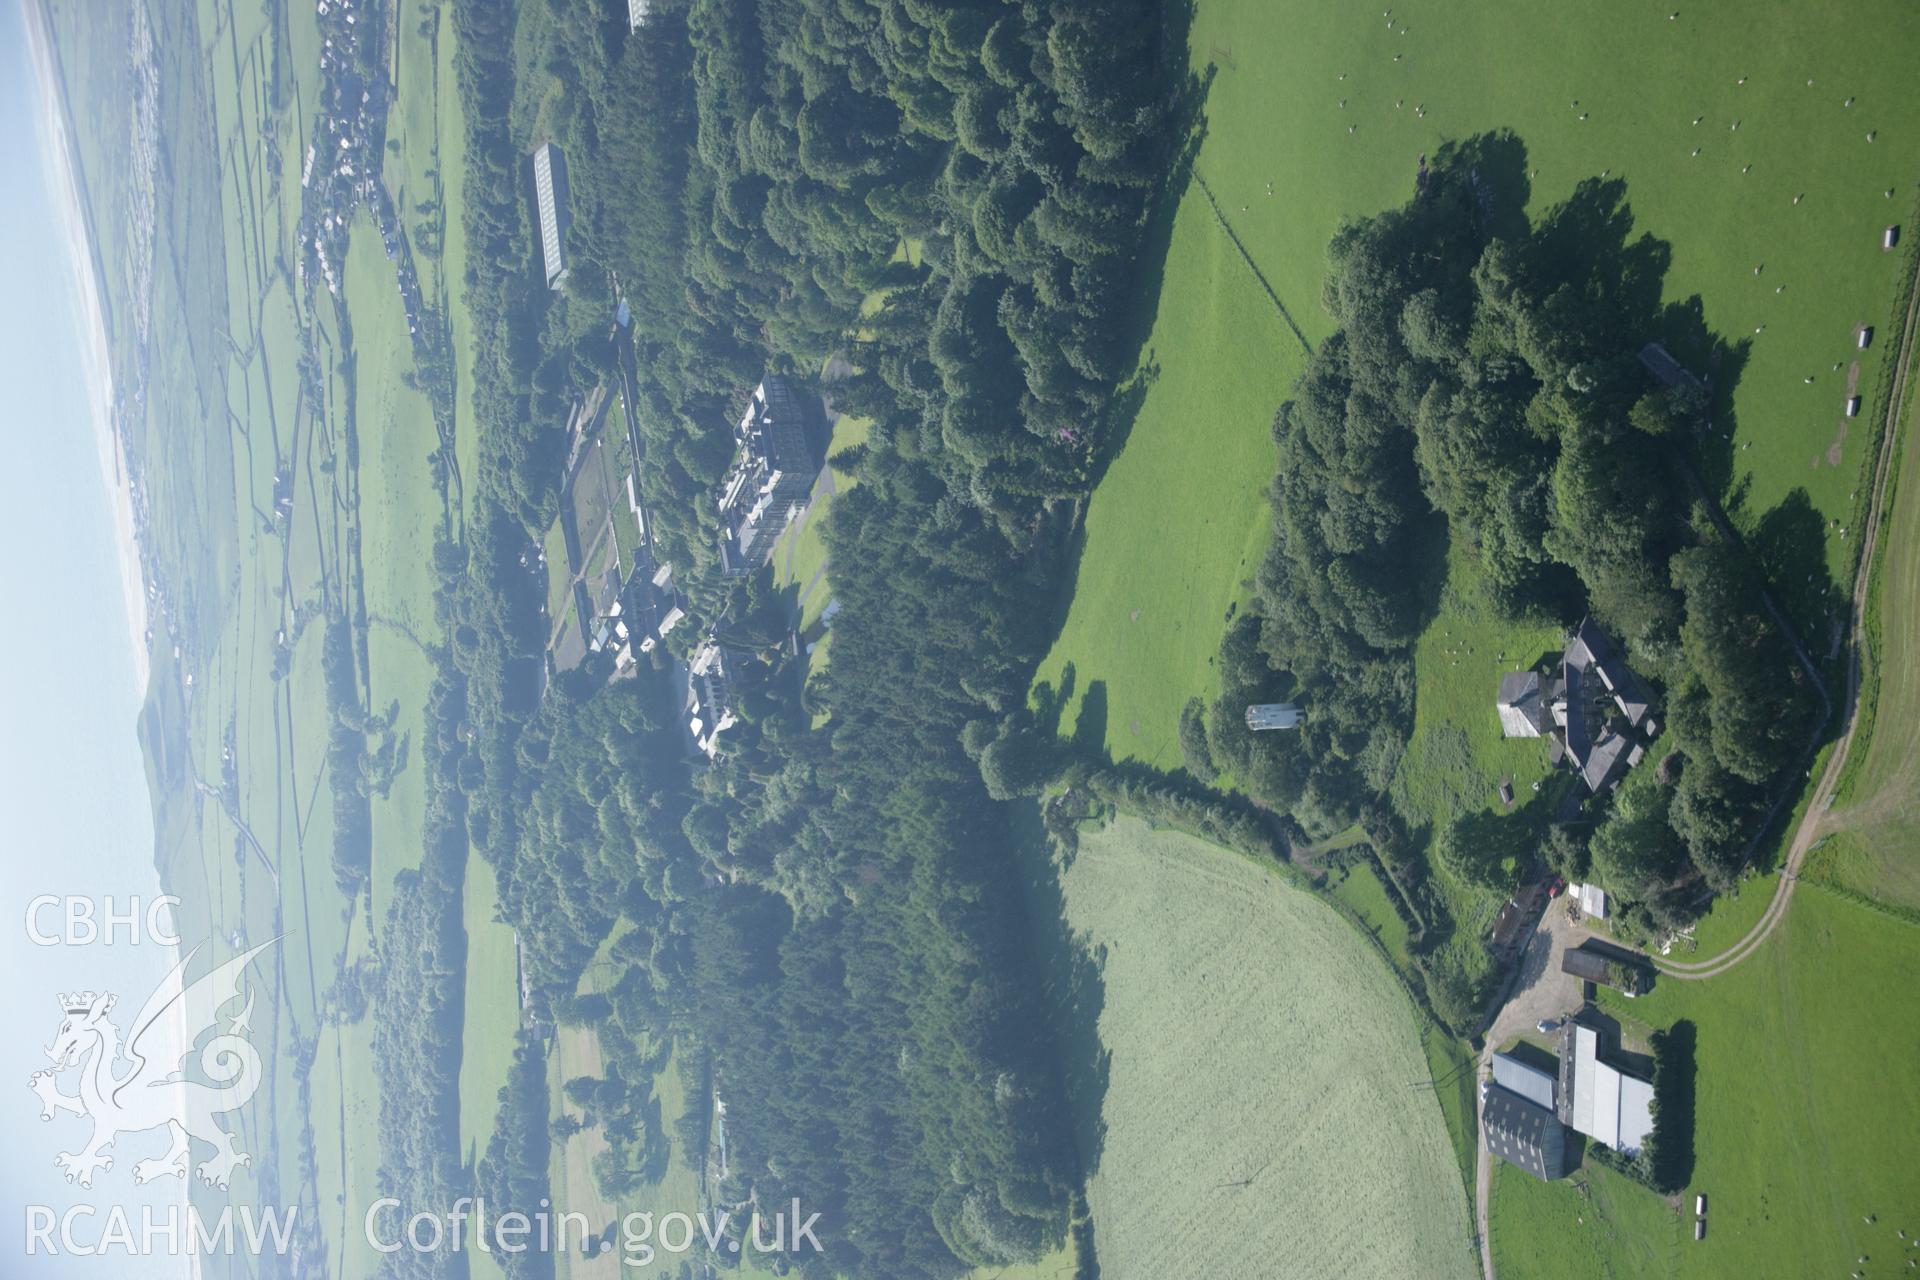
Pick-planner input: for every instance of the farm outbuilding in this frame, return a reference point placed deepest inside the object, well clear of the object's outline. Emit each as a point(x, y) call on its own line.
point(1598, 1098)
point(1525, 1079)
point(1890, 237)
point(1592, 899)
point(1862, 336)
point(1853, 406)
point(551, 211)
point(1524, 1134)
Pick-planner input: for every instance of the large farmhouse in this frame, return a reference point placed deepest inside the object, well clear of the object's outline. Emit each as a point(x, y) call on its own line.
point(1593, 709)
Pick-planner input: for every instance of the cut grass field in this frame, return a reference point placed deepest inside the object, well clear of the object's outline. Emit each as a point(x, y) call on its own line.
point(1180, 519)
point(1262, 1111)
point(1807, 1099)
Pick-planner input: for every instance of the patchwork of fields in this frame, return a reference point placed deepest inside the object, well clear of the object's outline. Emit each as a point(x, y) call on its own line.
point(262, 511)
point(1266, 1109)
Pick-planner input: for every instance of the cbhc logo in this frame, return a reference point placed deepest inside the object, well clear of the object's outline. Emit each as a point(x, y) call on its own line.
point(82, 921)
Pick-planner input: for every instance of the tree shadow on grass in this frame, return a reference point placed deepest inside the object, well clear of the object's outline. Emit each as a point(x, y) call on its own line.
point(1090, 726)
point(1790, 543)
point(1074, 989)
point(1674, 1083)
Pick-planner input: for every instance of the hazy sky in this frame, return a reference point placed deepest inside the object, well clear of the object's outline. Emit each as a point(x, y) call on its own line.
point(72, 785)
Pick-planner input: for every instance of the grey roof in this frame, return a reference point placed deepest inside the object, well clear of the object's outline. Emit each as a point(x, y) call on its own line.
point(1523, 708)
point(1607, 1104)
point(1595, 677)
point(1272, 715)
point(1523, 1078)
point(1582, 963)
point(1524, 1134)
point(1605, 761)
point(1661, 364)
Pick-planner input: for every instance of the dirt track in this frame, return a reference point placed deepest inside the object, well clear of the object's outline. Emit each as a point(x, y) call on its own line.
point(1813, 822)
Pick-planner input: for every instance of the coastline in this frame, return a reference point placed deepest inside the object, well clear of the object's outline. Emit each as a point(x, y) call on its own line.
point(57, 154)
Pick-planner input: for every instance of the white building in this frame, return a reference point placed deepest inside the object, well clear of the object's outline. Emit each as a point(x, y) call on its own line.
point(1606, 1104)
point(550, 203)
point(1272, 715)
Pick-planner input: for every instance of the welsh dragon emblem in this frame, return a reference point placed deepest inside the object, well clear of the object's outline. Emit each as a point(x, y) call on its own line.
point(142, 1083)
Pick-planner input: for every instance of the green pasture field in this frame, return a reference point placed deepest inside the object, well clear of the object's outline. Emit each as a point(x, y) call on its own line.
point(222, 414)
point(1612, 90)
point(1457, 757)
point(559, 575)
point(1179, 522)
point(452, 166)
point(576, 1052)
point(1358, 885)
point(1251, 1037)
point(1287, 84)
point(1875, 850)
point(1805, 1113)
point(800, 553)
point(491, 1011)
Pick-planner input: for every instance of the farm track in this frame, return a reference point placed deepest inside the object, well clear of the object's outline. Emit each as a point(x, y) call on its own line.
point(1813, 821)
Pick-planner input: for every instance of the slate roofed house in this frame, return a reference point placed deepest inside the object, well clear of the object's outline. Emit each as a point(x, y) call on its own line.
point(1524, 712)
point(1525, 1134)
point(1594, 680)
point(709, 688)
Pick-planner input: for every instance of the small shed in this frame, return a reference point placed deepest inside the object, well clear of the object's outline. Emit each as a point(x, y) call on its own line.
point(1853, 406)
point(1700, 1205)
point(1699, 1228)
point(1890, 237)
point(1862, 336)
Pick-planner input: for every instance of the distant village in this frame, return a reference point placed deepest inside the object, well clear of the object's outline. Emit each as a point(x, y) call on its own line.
point(622, 598)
